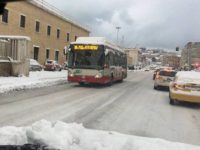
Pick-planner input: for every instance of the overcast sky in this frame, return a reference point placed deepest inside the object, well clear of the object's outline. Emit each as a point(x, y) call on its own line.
point(144, 23)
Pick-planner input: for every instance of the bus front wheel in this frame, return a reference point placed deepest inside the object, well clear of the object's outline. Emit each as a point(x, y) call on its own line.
point(81, 83)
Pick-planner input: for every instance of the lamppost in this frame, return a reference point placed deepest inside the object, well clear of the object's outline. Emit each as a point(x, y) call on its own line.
point(118, 28)
point(189, 56)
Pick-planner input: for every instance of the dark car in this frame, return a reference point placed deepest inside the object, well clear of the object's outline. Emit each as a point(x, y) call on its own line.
point(131, 67)
point(35, 66)
point(52, 65)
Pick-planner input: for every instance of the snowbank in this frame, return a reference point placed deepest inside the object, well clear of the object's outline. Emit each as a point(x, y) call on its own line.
point(75, 137)
point(35, 80)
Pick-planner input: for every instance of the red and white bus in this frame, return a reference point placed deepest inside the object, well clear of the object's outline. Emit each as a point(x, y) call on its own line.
point(95, 60)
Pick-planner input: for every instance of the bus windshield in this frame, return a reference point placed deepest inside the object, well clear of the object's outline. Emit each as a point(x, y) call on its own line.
point(87, 58)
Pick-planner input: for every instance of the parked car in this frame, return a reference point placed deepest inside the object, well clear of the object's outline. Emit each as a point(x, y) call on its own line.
point(146, 69)
point(35, 66)
point(163, 78)
point(185, 87)
point(131, 67)
point(52, 65)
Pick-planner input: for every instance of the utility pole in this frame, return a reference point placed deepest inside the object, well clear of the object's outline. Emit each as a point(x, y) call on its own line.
point(189, 55)
point(122, 42)
point(118, 28)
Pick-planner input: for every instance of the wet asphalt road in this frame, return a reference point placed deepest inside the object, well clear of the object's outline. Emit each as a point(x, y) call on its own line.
point(132, 107)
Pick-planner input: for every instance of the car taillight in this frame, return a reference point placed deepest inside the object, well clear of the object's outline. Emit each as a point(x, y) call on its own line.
point(158, 77)
point(178, 86)
point(174, 85)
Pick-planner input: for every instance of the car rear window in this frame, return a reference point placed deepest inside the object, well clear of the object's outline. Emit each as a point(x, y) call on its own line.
point(167, 73)
point(49, 62)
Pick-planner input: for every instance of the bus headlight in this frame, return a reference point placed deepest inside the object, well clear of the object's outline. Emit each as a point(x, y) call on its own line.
point(71, 75)
point(98, 76)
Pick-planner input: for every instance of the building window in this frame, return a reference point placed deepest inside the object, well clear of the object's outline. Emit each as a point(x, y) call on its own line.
point(36, 53)
point(56, 55)
point(22, 21)
point(58, 33)
point(47, 53)
point(68, 37)
point(5, 16)
point(75, 37)
point(48, 30)
point(37, 26)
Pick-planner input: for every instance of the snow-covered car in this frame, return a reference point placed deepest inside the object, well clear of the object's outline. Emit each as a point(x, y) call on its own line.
point(163, 78)
point(35, 66)
point(52, 65)
point(185, 87)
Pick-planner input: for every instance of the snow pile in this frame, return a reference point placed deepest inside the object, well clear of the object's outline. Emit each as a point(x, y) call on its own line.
point(34, 62)
point(35, 80)
point(188, 77)
point(12, 136)
point(64, 136)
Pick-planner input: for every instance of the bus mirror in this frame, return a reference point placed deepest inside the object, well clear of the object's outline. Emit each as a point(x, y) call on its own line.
point(106, 52)
point(66, 50)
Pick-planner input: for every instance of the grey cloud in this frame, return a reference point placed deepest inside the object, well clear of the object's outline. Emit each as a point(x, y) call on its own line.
point(126, 18)
point(157, 23)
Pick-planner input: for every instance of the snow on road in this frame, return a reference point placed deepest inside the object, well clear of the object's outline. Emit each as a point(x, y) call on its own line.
point(35, 80)
point(73, 136)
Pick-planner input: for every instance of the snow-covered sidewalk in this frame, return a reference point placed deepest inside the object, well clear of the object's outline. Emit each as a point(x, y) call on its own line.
point(73, 136)
point(35, 80)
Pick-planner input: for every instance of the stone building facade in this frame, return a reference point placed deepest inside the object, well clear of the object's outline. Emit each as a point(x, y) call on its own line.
point(49, 30)
point(171, 60)
point(132, 55)
point(190, 54)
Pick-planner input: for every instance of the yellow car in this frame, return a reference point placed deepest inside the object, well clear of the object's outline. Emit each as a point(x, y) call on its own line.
point(185, 87)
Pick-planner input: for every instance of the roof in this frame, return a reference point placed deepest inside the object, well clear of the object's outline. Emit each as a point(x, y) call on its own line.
point(188, 77)
point(97, 41)
point(53, 10)
point(15, 37)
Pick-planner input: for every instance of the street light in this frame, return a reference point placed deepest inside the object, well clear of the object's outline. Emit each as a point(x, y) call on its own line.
point(118, 28)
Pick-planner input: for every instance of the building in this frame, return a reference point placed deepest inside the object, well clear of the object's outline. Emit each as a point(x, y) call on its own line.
point(190, 54)
point(132, 55)
point(142, 60)
point(171, 60)
point(14, 51)
point(48, 29)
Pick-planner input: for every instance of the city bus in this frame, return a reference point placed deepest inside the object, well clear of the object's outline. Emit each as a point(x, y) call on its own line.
point(96, 60)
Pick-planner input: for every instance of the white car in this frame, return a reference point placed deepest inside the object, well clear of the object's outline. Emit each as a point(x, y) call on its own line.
point(163, 78)
point(52, 65)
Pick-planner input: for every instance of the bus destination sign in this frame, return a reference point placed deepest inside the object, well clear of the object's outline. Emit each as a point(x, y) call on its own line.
point(86, 47)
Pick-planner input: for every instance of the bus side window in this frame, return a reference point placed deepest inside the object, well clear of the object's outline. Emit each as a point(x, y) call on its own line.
point(106, 62)
point(117, 60)
point(111, 59)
